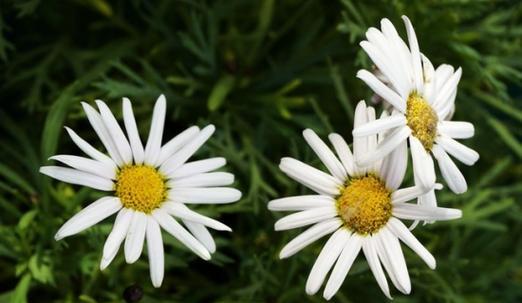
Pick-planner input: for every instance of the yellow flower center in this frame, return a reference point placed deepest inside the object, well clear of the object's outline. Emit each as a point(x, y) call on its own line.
point(422, 120)
point(141, 188)
point(365, 205)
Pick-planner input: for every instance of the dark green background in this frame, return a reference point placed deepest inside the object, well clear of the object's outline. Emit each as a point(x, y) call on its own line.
point(261, 71)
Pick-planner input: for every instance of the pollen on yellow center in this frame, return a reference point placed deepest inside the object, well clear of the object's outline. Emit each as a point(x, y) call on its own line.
point(140, 187)
point(365, 205)
point(421, 119)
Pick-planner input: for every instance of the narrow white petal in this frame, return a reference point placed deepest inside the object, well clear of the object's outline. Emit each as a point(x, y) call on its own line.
point(420, 212)
point(342, 266)
point(176, 143)
point(325, 154)
point(379, 125)
point(74, 176)
point(115, 131)
point(155, 252)
point(429, 80)
point(309, 236)
point(360, 144)
point(203, 180)
point(458, 150)
point(101, 130)
point(327, 257)
point(135, 237)
point(183, 212)
point(89, 216)
point(396, 258)
point(153, 146)
point(209, 195)
point(382, 90)
point(343, 152)
point(443, 73)
point(372, 142)
point(94, 167)
point(415, 55)
point(89, 150)
point(132, 132)
point(177, 231)
point(202, 235)
point(370, 252)
point(310, 177)
point(382, 134)
point(450, 172)
point(401, 231)
point(198, 167)
point(394, 166)
point(423, 167)
point(386, 262)
point(182, 155)
point(443, 99)
point(407, 194)
point(456, 129)
point(116, 237)
point(306, 217)
point(300, 203)
point(391, 142)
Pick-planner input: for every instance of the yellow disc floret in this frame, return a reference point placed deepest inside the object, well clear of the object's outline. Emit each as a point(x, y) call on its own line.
point(140, 187)
point(365, 205)
point(422, 120)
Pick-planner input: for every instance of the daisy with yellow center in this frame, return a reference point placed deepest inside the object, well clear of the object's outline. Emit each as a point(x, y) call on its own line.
point(150, 186)
point(422, 100)
point(361, 206)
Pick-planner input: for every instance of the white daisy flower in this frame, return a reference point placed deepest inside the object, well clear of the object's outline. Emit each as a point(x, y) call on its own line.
point(148, 186)
point(362, 207)
point(423, 100)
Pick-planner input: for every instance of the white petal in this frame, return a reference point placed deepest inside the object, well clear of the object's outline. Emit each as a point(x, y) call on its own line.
point(306, 217)
point(454, 178)
point(101, 130)
point(132, 132)
point(300, 203)
point(325, 154)
point(407, 194)
point(209, 195)
point(458, 150)
point(342, 267)
point(396, 258)
point(394, 166)
point(176, 143)
point(89, 216)
point(181, 156)
point(309, 236)
point(420, 212)
point(415, 55)
point(153, 147)
point(443, 73)
point(382, 90)
point(429, 80)
point(370, 252)
point(116, 237)
point(456, 129)
point(74, 176)
point(402, 232)
point(343, 152)
point(379, 125)
point(175, 229)
point(372, 142)
point(360, 144)
point(328, 255)
point(423, 167)
point(155, 252)
point(386, 262)
point(135, 237)
point(385, 147)
point(183, 212)
point(443, 99)
point(310, 177)
point(198, 167)
point(202, 235)
point(382, 134)
point(116, 133)
point(88, 165)
point(89, 150)
point(203, 180)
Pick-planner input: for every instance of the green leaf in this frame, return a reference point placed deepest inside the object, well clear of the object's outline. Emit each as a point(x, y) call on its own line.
point(220, 91)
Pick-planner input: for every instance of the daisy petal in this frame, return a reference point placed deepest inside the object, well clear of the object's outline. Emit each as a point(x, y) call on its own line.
point(406, 194)
point(385, 147)
point(116, 237)
point(382, 90)
point(386, 262)
point(176, 143)
point(370, 252)
point(208, 195)
point(115, 131)
point(458, 150)
point(420, 212)
point(203, 180)
point(198, 167)
point(309, 236)
point(135, 237)
point(456, 129)
point(176, 230)
point(401, 231)
point(423, 167)
point(394, 166)
point(310, 177)
point(89, 216)
point(429, 80)
point(77, 177)
point(454, 178)
point(325, 154)
point(202, 235)
point(415, 55)
point(305, 217)
point(183, 212)
point(132, 132)
point(153, 147)
point(443, 99)
point(155, 252)
point(396, 258)
point(343, 152)
point(443, 73)
point(379, 125)
point(89, 150)
point(300, 203)
point(88, 165)
point(327, 257)
point(372, 141)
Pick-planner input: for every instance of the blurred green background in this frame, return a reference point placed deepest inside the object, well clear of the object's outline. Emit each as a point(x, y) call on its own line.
point(261, 71)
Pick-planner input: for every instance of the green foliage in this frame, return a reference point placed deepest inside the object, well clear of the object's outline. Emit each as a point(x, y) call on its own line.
point(261, 71)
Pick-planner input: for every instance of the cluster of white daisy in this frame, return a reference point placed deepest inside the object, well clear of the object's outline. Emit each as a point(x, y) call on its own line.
point(360, 201)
